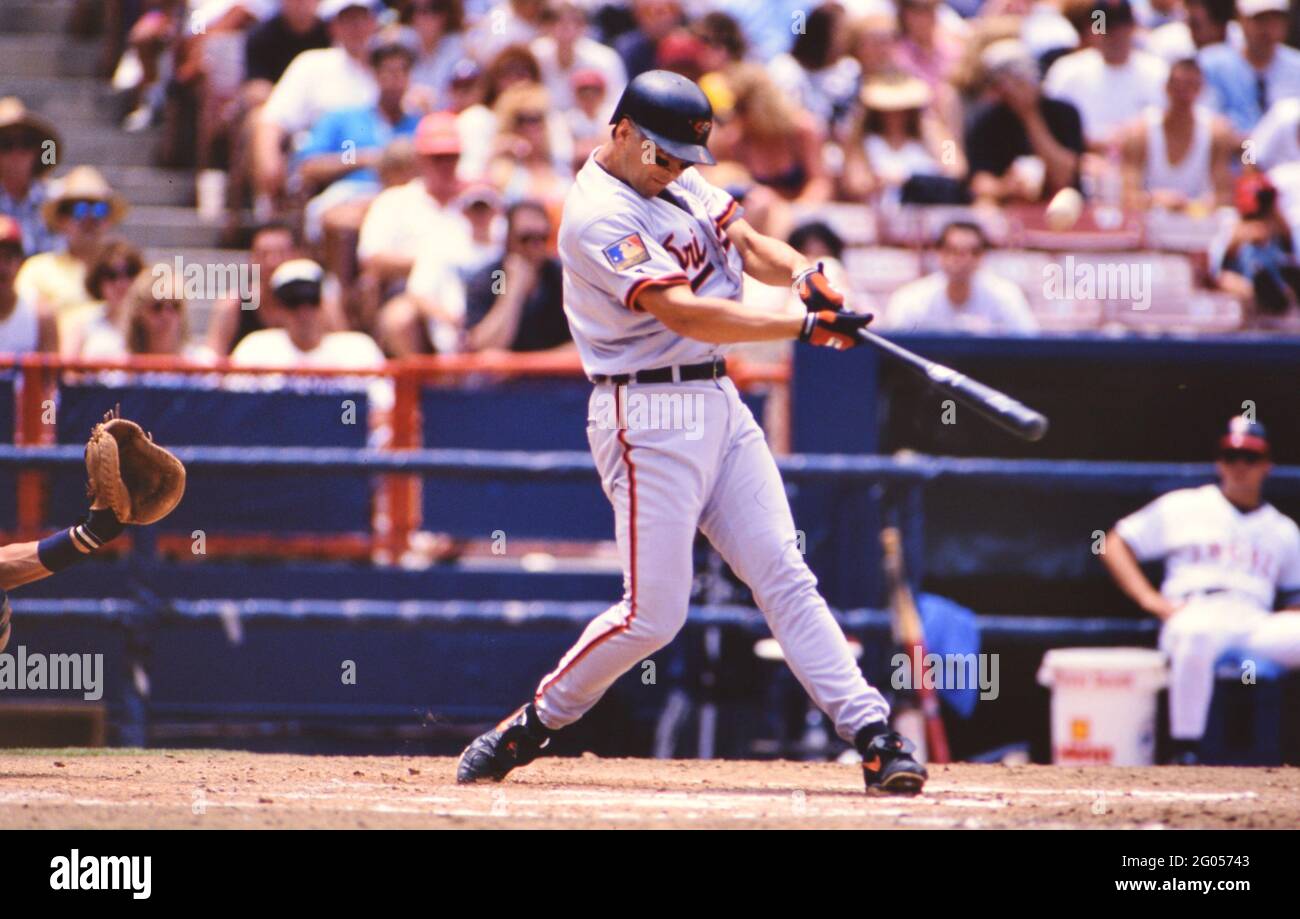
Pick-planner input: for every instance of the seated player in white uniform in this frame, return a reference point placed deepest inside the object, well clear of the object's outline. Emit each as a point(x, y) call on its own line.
point(1230, 558)
point(653, 257)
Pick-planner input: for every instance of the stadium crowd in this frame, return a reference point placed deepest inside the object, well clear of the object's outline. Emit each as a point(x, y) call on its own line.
point(418, 151)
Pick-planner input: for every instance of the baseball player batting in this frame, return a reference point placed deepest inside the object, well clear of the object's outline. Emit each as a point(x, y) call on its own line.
point(653, 257)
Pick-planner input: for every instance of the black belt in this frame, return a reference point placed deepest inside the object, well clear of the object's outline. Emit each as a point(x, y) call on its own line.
point(710, 370)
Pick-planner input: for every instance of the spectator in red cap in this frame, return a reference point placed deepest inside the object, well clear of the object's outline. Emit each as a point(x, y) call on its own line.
point(588, 119)
point(1231, 559)
point(1258, 263)
point(24, 327)
point(404, 220)
point(682, 51)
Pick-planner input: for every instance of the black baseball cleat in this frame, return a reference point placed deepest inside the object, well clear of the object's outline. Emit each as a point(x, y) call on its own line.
point(887, 763)
point(516, 741)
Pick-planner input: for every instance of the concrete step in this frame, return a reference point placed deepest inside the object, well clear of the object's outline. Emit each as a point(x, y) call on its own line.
point(33, 16)
point(64, 99)
point(155, 226)
point(106, 144)
point(152, 185)
point(48, 55)
point(59, 98)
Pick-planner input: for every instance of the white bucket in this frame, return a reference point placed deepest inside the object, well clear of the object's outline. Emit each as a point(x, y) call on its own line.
point(1103, 704)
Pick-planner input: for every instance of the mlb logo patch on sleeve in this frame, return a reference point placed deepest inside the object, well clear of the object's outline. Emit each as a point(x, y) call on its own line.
point(626, 253)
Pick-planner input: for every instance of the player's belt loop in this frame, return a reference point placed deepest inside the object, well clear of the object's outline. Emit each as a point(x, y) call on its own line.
point(677, 373)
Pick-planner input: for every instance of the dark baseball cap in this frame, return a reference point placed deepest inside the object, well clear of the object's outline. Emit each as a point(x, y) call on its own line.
point(1244, 434)
point(670, 110)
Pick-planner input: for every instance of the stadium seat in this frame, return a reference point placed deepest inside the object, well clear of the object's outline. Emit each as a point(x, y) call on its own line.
point(915, 225)
point(880, 271)
point(855, 223)
point(1203, 312)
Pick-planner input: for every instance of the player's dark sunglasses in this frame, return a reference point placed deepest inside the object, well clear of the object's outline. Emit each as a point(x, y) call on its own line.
point(299, 302)
point(82, 210)
point(1249, 457)
point(528, 239)
point(670, 162)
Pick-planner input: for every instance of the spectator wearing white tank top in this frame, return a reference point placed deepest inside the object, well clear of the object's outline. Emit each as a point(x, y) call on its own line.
point(1178, 158)
point(23, 328)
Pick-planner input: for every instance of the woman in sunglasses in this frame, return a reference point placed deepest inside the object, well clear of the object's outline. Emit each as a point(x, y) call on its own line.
point(1231, 559)
point(82, 209)
point(159, 325)
point(524, 165)
point(98, 328)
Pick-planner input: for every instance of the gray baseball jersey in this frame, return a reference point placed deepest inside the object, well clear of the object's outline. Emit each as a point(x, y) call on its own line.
point(615, 244)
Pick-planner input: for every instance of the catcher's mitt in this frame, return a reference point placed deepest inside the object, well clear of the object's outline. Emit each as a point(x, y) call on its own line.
point(138, 480)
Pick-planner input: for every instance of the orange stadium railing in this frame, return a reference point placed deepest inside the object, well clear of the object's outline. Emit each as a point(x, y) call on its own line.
point(38, 375)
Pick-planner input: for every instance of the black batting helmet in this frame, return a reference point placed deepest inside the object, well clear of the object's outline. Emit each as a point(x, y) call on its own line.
point(670, 110)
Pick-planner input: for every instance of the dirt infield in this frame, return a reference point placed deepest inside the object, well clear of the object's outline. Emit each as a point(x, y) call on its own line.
point(209, 789)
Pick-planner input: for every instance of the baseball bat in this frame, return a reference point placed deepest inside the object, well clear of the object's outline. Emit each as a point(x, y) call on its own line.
point(999, 408)
point(910, 636)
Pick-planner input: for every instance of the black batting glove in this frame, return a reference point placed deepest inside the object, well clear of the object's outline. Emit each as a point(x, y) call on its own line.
point(814, 289)
point(836, 329)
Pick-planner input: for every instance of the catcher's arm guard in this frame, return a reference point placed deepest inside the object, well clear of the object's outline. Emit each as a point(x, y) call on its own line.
point(139, 481)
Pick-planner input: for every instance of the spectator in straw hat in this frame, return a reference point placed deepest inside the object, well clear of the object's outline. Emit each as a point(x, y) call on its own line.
point(28, 144)
point(897, 139)
point(81, 207)
point(24, 327)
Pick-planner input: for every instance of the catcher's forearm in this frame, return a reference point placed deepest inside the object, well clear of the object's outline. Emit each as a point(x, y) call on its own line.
point(20, 564)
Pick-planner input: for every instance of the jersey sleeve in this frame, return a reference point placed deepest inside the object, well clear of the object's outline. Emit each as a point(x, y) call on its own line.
point(1145, 531)
point(721, 206)
point(623, 259)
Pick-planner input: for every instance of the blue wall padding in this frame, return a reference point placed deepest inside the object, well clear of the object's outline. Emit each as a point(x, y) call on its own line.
point(231, 502)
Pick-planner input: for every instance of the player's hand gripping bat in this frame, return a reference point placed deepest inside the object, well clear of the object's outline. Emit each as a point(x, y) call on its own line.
point(909, 635)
